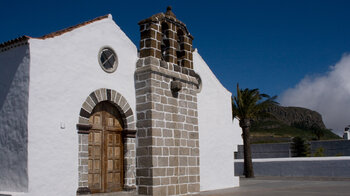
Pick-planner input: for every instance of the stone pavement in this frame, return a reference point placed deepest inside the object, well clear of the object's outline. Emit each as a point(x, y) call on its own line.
point(286, 186)
point(277, 186)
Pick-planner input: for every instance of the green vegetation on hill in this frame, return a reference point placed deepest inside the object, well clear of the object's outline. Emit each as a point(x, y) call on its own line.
point(274, 131)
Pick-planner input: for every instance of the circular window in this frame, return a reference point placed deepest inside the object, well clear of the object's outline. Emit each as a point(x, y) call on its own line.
point(108, 60)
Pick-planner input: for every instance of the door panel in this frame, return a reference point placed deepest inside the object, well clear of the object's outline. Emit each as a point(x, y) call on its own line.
point(95, 159)
point(114, 161)
point(105, 149)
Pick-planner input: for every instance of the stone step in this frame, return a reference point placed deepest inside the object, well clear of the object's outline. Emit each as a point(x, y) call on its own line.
point(121, 193)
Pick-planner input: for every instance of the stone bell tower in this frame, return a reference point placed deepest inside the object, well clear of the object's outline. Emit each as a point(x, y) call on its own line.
point(166, 38)
point(166, 104)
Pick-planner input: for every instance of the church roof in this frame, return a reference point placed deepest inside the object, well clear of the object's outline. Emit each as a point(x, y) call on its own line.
point(14, 42)
point(60, 32)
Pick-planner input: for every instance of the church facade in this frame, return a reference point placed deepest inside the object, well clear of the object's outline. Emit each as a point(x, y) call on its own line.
point(82, 111)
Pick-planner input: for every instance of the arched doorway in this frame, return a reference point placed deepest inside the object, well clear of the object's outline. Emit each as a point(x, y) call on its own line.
point(105, 143)
point(125, 117)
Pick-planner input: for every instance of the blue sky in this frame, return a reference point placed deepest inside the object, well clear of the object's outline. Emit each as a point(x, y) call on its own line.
point(270, 45)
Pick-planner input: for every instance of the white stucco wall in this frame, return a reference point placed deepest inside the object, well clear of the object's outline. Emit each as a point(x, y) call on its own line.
point(64, 71)
point(14, 80)
point(218, 134)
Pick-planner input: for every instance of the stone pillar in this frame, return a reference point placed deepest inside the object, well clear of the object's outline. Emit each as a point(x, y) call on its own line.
point(185, 59)
point(129, 164)
point(83, 164)
point(168, 142)
point(150, 43)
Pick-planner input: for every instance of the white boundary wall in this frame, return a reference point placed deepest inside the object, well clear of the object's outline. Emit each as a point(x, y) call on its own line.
point(337, 167)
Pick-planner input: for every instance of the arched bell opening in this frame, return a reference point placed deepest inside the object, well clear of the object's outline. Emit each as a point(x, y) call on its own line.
point(180, 53)
point(165, 42)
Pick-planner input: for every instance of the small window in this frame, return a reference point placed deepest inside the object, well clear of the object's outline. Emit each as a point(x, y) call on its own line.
point(108, 60)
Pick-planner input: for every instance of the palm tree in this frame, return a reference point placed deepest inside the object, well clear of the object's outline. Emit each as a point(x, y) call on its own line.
point(248, 105)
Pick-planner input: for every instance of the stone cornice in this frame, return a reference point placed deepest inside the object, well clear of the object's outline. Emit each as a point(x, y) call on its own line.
point(151, 64)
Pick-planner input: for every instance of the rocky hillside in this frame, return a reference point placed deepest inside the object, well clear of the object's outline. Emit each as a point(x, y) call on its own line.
point(288, 122)
point(297, 116)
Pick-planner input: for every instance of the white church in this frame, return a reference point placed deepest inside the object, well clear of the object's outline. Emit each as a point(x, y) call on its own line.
point(84, 111)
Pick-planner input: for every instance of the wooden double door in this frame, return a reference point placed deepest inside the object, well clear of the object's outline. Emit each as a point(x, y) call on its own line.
point(105, 150)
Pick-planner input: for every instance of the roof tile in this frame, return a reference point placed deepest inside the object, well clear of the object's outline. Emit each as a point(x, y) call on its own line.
point(4, 46)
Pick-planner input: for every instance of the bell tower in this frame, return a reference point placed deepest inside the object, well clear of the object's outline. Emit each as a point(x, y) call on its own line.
point(166, 105)
point(166, 38)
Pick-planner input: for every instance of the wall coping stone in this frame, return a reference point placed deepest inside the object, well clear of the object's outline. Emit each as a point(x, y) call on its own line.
point(297, 159)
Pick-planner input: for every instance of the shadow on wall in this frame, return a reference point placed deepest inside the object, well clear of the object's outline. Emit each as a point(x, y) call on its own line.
point(10, 65)
point(14, 84)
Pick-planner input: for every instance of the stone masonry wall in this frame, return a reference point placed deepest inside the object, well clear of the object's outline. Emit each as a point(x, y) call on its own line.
point(167, 130)
point(129, 163)
point(83, 160)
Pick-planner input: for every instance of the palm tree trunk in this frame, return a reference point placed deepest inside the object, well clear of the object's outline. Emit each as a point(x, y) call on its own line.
point(248, 164)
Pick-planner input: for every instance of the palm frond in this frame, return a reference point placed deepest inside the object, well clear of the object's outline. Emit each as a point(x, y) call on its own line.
point(250, 103)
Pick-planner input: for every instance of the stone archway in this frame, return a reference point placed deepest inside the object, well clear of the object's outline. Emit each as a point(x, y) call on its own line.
point(115, 98)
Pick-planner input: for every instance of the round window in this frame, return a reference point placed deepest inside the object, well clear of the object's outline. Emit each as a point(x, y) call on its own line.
point(108, 60)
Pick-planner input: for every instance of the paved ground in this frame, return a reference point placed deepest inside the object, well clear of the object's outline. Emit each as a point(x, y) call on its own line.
point(279, 186)
point(273, 186)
